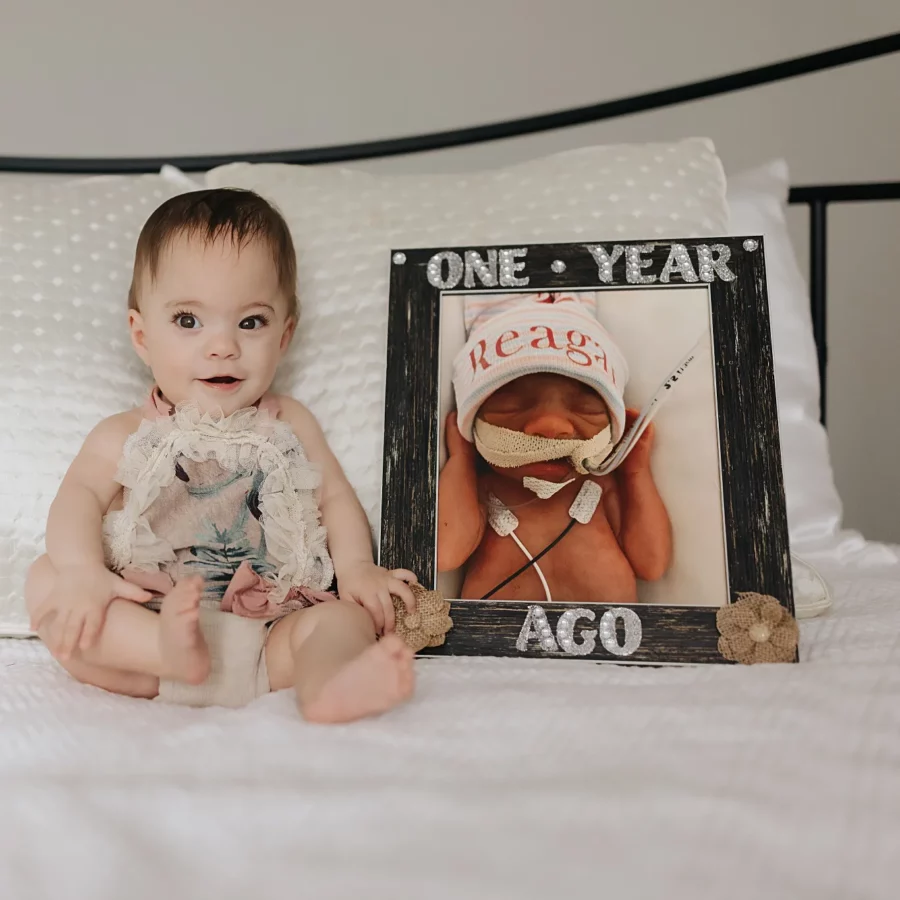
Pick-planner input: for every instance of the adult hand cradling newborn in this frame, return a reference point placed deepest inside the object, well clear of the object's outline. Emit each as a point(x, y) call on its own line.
point(638, 457)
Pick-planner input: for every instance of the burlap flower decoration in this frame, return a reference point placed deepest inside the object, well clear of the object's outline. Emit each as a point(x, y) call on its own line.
point(429, 624)
point(757, 629)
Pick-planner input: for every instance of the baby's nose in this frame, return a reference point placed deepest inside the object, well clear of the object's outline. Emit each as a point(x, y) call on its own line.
point(223, 346)
point(550, 424)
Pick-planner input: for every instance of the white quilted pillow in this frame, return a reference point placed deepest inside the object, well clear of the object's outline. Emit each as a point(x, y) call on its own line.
point(66, 251)
point(74, 365)
point(345, 222)
point(756, 200)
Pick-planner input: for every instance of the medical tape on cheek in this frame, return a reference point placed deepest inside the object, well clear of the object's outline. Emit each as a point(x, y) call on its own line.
point(509, 449)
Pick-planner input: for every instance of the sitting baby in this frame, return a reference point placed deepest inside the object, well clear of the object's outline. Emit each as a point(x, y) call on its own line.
point(539, 388)
point(193, 542)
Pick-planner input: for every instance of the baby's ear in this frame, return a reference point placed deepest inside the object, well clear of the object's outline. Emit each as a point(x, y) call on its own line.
point(290, 326)
point(138, 336)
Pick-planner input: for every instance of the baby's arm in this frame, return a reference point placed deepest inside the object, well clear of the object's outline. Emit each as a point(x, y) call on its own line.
point(84, 587)
point(642, 526)
point(349, 537)
point(462, 517)
point(74, 524)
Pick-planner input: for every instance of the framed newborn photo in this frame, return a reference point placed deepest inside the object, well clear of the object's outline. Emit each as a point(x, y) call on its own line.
point(582, 452)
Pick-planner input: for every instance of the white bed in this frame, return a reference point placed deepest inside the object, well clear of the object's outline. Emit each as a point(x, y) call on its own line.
point(501, 779)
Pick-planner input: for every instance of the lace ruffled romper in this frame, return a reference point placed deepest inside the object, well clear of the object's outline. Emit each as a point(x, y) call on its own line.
point(233, 499)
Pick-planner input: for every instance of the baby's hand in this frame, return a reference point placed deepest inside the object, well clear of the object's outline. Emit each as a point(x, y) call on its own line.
point(372, 587)
point(76, 607)
point(638, 458)
point(457, 445)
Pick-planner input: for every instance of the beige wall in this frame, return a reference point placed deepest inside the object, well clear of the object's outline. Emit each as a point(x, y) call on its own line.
point(100, 77)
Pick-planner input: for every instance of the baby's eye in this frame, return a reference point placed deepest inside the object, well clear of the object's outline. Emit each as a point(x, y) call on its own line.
point(506, 405)
point(186, 320)
point(253, 323)
point(590, 409)
point(510, 407)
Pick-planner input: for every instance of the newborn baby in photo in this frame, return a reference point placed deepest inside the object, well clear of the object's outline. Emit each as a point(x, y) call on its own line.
point(539, 388)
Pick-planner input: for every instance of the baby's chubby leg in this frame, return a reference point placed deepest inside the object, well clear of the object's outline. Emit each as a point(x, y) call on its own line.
point(136, 647)
point(329, 655)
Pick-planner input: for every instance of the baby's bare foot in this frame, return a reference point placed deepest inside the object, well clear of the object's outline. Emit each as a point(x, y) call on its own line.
point(182, 649)
point(380, 678)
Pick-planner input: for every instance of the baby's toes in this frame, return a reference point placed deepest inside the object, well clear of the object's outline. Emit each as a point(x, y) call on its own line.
point(406, 676)
point(394, 645)
point(405, 683)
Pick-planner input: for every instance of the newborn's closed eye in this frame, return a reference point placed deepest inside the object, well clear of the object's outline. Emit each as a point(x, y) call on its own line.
point(507, 403)
point(586, 402)
point(507, 407)
point(592, 410)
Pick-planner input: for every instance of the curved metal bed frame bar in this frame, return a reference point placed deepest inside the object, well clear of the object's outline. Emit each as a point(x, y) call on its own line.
point(817, 197)
point(442, 140)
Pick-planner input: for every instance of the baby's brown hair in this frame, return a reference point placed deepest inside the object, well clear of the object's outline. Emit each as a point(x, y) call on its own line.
point(242, 215)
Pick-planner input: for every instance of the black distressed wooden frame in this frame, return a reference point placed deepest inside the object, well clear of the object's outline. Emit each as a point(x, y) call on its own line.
point(756, 533)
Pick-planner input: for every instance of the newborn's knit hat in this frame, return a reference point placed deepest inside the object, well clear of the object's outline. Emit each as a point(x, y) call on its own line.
point(512, 335)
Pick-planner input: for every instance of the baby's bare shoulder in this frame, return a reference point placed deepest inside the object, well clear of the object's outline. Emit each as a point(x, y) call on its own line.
point(96, 463)
point(107, 438)
point(289, 405)
point(308, 431)
point(295, 414)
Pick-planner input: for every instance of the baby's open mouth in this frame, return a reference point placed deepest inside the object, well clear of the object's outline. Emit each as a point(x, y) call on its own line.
point(222, 382)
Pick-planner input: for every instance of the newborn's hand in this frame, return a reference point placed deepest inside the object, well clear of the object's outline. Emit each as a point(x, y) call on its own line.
point(638, 459)
point(75, 609)
point(372, 587)
point(457, 445)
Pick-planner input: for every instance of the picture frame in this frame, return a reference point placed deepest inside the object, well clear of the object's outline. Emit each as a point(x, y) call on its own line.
point(722, 281)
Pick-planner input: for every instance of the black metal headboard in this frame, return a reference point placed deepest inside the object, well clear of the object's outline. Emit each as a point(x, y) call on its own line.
point(817, 197)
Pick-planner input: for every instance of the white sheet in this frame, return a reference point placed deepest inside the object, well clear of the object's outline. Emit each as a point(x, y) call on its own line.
point(502, 779)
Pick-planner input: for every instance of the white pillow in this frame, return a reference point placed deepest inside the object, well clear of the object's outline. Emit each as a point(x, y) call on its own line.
point(66, 251)
point(345, 222)
point(757, 203)
point(66, 356)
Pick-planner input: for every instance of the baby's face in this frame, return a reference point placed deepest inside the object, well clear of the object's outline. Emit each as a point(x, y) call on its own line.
point(213, 325)
point(550, 406)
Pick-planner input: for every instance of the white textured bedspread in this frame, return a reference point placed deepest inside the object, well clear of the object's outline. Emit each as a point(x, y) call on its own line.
point(502, 779)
